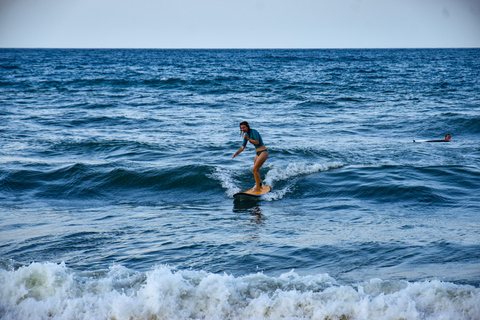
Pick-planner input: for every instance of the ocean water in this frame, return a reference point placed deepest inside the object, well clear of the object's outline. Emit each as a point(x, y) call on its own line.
point(117, 183)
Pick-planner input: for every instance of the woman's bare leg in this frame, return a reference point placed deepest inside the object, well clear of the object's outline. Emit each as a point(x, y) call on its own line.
point(257, 164)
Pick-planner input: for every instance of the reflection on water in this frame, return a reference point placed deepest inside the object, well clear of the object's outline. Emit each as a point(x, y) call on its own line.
point(257, 216)
point(243, 205)
point(252, 207)
point(256, 223)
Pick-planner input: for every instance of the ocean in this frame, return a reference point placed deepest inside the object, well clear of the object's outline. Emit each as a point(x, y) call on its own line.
point(117, 184)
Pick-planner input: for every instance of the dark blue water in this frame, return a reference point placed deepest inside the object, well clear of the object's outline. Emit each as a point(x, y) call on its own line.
point(117, 183)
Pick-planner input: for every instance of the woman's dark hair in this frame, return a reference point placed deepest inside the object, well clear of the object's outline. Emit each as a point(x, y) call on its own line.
point(245, 123)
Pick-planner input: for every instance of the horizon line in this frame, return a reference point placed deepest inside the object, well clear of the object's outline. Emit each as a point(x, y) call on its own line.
point(212, 48)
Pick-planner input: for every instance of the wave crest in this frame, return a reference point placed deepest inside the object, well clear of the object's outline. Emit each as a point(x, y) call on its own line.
point(54, 291)
point(298, 169)
point(289, 174)
point(273, 177)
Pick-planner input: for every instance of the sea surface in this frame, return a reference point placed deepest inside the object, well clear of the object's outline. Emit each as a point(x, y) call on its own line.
point(117, 184)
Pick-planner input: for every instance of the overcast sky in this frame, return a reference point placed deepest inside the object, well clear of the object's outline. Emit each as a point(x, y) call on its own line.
point(239, 23)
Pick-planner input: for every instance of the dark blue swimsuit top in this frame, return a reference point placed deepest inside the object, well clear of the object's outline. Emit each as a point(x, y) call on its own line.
point(255, 135)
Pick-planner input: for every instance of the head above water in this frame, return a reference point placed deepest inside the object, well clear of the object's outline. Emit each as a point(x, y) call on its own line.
point(448, 137)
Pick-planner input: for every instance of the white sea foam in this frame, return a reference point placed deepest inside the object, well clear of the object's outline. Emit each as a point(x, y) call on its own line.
point(54, 291)
point(273, 176)
point(225, 177)
point(291, 171)
point(297, 169)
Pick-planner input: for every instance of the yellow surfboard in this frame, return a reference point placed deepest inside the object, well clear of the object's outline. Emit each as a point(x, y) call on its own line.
point(251, 194)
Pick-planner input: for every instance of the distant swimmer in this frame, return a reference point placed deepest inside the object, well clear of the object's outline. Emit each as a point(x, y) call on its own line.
point(448, 138)
point(253, 136)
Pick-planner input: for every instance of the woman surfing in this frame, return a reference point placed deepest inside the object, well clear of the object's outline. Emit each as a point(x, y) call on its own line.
point(254, 137)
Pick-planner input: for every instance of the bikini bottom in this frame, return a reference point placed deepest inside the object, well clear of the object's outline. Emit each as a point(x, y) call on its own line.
point(260, 152)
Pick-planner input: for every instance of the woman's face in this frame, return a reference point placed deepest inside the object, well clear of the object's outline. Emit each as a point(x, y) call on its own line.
point(243, 128)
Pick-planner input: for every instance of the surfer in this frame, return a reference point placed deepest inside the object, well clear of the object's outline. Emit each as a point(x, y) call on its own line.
point(448, 138)
point(253, 136)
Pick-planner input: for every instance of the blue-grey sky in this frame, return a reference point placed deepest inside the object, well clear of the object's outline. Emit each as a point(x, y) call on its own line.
point(239, 23)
